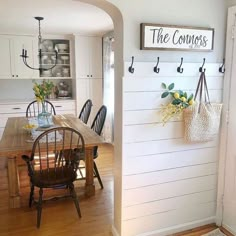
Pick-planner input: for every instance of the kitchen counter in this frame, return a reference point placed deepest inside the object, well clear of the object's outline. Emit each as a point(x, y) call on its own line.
point(20, 101)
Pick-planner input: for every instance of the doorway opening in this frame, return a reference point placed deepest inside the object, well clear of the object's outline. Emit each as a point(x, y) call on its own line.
point(117, 19)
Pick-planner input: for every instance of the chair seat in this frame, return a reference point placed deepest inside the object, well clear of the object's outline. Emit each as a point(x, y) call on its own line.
point(51, 177)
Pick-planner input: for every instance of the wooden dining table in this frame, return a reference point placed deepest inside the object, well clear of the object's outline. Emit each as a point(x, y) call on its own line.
point(16, 141)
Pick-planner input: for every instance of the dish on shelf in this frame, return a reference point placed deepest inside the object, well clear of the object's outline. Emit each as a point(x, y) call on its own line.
point(44, 59)
point(65, 71)
point(63, 93)
point(59, 97)
point(62, 47)
point(50, 48)
point(47, 73)
point(58, 74)
point(46, 44)
point(56, 71)
point(53, 57)
point(64, 58)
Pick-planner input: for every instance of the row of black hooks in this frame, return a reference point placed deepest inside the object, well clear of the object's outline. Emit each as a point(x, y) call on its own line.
point(180, 69)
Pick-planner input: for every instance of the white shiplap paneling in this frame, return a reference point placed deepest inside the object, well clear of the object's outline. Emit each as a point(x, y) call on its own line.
point(163, 146)
point(169, 204)
point(160, 221)
point(169, 160)
point(168, 190)
point(156, 131)
point(171, 175)
point(166, 181)
point(152, 100)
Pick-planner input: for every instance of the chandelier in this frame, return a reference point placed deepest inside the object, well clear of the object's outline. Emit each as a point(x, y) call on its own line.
point(25, 56)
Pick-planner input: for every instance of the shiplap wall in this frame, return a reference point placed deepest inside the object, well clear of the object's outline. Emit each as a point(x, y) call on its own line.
point(168, 185)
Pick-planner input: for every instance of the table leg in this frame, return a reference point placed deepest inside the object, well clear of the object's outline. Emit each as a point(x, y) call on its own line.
point(13, 183)
point(89, 184)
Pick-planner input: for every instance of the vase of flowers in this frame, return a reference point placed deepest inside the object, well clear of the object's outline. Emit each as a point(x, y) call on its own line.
point(179, 100)
point(42, 91)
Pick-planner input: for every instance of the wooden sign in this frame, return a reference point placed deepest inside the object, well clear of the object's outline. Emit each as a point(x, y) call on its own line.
point(167, 37)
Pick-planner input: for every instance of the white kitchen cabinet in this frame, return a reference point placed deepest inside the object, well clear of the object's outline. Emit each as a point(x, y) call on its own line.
point(88, 57)
point(10, 109)
point(11, 64)
point(89, 89)
point(5, 58)
point(89, 80)
point(64, 106)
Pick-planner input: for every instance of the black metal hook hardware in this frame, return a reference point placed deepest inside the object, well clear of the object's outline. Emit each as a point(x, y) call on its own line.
point(222, 68)
point(131, 69)
point(179, 69)
point(156, 69)
point(201, 69)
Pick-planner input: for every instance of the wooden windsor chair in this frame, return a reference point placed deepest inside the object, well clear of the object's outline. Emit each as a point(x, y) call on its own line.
point(53, 162)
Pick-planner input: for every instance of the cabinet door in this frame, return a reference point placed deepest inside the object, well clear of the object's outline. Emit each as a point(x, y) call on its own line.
point(64, 107)
point(95, 57)
point(5, 58)
point(96, 95)
point(89, 89)
point(20, 69)
point(82, 93)
point(82, 56)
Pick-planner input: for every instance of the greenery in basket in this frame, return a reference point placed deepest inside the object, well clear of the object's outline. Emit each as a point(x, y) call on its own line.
point(179, 100)
point(43, 90)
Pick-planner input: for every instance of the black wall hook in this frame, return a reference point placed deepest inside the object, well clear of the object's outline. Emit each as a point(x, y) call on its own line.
point(222, 68)
point(201, 69)
point(131, 69)
point(156, 69)
point(179, 69)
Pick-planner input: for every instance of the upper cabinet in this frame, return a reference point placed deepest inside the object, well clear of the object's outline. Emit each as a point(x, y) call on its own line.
point(88, 57)
point(11, 64)
point(63, 65)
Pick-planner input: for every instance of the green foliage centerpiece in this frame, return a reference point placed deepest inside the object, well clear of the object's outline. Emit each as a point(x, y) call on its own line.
point(42, 91)
point(179, 100)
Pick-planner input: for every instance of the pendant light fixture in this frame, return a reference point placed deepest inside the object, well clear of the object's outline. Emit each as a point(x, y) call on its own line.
point(25, 56)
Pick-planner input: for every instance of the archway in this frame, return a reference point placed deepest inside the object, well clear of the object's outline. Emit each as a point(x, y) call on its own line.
point(117, 18)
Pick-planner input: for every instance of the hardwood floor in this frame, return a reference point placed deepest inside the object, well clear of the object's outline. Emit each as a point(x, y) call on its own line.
point(202, 230)
point(60, 217)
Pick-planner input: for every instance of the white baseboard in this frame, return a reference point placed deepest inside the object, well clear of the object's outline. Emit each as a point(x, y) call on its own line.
point(114, 231)
point(180, 228)
point(232, 231)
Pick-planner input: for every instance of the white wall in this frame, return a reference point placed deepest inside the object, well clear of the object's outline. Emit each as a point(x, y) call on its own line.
point(168, 185)
point(206, 13)
point(148, 148)
point(13, 88)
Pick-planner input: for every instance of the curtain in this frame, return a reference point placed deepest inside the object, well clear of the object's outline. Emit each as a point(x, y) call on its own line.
point(108, 85)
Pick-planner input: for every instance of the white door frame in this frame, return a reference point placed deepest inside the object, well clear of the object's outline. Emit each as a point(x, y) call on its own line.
point(117, 19)
point(230, 38)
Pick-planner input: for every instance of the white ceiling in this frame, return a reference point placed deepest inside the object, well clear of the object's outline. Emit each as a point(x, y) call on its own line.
point(60, 17)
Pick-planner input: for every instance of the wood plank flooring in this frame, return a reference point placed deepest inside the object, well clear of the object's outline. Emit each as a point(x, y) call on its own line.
point(60, 217)
point(202, 230)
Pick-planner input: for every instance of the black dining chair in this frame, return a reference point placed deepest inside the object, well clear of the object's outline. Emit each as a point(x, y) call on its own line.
point(53, 162)
point(97, 127)
point(34, 108)
point(85, 111)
